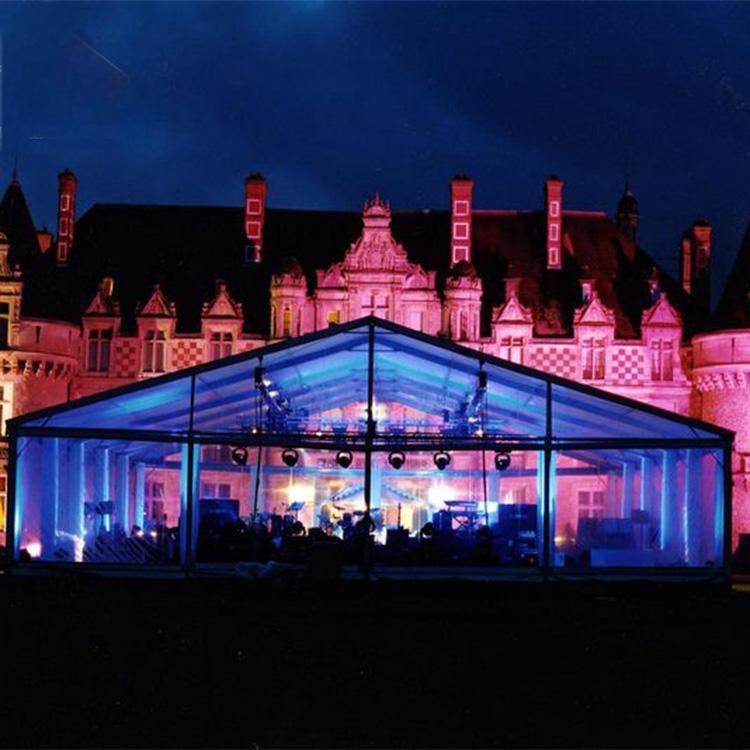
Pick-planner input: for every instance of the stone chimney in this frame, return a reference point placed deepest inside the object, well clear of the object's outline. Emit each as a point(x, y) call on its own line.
point(66, 215)
point(256, 190)
point(553, 206)
point(462, 188)
point(695, 264)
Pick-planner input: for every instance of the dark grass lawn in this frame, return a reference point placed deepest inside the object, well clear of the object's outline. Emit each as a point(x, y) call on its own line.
point(228, 663)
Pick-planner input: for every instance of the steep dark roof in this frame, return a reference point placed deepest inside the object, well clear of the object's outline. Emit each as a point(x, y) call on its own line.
point(510, 243)
point(187, 248)
point(39, 297)
point(733, 310)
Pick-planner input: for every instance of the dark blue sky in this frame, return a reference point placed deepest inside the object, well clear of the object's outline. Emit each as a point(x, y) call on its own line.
point(333, 101)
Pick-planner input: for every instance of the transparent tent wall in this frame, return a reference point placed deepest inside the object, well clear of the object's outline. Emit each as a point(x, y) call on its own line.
point(638, 508)
point(99, 501)
point(480, 515)
point(225, 497)
point(274, 503)
point(124, 502)
point(468, 513)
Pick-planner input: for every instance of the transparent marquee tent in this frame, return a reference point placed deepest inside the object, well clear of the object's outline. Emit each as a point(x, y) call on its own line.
point(388, 449)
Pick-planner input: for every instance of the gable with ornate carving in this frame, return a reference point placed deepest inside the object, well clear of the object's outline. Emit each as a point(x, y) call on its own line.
point(376, 249)
point(222, 305)
point(157, 306)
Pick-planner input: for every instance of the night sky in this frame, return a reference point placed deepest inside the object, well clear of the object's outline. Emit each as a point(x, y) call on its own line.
point(176, 103)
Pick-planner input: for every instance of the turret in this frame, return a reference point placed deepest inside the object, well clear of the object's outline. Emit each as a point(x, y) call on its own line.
point(288, 299)
point(463, 300)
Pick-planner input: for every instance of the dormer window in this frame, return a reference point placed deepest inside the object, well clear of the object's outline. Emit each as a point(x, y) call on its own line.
point(662, 360)
point(511, 348)
point(221, 345)
point(594, 359)
point(155, 355)
point(99, 350)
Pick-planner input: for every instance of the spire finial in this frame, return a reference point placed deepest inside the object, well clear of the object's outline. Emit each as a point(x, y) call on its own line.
point(627, 173)
point(15, 170)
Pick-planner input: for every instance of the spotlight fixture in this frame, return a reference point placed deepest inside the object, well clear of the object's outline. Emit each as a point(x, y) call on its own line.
point(396, 459)
point(442, 459)
point(344, 459)
point(290, 457)
point(502, 460)
point(239, 456)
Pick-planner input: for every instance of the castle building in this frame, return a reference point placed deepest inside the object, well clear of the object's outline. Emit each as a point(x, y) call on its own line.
point(128, 292)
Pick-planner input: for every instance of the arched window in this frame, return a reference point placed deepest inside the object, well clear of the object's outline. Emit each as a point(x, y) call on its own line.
point(287, 322)
point(662, 360)
point(221, 345)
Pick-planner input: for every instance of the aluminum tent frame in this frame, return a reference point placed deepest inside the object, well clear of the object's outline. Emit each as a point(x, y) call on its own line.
point(294, 394)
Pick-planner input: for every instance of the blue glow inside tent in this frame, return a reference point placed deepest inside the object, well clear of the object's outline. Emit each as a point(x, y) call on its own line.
point(163, 404)
point(467, 460)
point(578, 414)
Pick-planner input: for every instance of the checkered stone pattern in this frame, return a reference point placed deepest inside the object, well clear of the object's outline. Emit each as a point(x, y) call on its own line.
point(246, 346)
point(187, 354)
point(557, 360)
point(626, 366)
point(125, 362)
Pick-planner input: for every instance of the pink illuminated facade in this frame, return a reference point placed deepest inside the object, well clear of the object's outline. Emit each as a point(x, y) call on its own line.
point(130, 292)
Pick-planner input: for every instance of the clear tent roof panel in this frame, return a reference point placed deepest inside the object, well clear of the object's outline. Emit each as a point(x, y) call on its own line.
point(296, 388)
point(580, 415)
point(320, 382)
point(444, 385)
point(161, 404)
